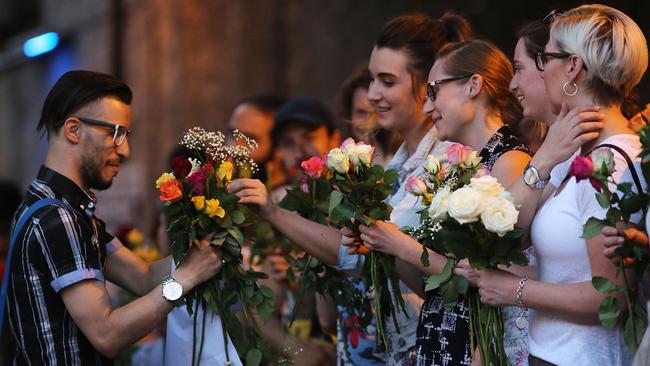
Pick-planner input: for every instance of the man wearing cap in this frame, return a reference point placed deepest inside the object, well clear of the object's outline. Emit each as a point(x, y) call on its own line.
point(303, 127)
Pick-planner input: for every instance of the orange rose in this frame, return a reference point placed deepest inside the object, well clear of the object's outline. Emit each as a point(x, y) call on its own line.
point(171, 190)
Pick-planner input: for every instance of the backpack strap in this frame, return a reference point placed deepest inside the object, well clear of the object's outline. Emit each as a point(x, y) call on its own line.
point(14, 235)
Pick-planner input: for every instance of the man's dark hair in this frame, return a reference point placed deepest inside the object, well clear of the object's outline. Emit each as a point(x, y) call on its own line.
point(267, 103)
point(73, 91)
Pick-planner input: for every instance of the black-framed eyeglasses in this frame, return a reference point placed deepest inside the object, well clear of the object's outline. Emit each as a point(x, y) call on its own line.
point(543, 57)
point(120, 134)
point(431, 85)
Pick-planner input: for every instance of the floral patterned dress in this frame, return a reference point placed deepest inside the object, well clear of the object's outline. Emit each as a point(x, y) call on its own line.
point(443, 338)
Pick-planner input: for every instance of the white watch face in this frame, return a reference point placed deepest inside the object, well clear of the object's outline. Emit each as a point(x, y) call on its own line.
point(172, 291)
point(530, 177)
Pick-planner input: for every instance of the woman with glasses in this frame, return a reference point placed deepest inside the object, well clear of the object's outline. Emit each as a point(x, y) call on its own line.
point(595, 55)
point(399, 63)
point(469, 101)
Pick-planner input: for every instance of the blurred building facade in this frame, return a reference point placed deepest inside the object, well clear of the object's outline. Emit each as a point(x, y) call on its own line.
point(190, 61)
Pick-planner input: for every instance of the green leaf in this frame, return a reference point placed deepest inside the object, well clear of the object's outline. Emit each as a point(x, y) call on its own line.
point(633, 332)
point(602, 200)
point(424, 258)
point(461, 284)
point(435, 281)
point(236, 234)
point(592, 227)
point(603, 285)
point(253, 357)
point(265, 309)
point(335, 199)
point(613, 215)
point(342, 213)
point(267, 292)
point(218, 241)
point(609, 312)
point(237, 217)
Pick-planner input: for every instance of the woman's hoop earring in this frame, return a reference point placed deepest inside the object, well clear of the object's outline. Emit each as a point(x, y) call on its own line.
point(570, 94)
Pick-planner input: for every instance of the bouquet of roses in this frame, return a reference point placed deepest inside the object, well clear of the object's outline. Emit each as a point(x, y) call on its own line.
point(310, 198)
point(197, 204)
point(359, 190)
point(621, 204)
point(468, 215)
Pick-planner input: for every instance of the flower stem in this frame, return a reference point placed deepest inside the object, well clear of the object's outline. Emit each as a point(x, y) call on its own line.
point(630, 302)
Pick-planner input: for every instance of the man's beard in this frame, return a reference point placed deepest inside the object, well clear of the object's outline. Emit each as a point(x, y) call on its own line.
point(91, 172)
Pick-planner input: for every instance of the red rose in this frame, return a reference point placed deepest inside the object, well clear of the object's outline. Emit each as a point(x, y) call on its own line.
point(313, 166)
point(582, 168)
point(197, 179)
point(208, 169)
point(181, 167)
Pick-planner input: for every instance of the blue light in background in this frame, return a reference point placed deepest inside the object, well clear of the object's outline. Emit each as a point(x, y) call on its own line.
point(39, 45)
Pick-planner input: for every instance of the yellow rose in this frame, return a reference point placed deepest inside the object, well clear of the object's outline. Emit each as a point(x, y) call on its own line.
point(212, 208)
point(225, 171)
point(135, 237)
point(165, 177)
point(338, 160)
point(199, 202)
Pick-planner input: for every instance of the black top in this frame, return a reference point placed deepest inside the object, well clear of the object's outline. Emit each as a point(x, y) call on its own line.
point(503, 141)
point(56, 248)
point(443, 338)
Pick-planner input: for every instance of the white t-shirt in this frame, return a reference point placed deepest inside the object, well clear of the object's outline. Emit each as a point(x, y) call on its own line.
point(562, 258)
point(180, 338)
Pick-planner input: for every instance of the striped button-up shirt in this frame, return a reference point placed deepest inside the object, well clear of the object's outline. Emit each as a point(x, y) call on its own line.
point(56, 248)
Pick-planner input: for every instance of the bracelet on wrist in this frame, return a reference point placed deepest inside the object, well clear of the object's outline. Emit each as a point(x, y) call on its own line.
point(522, 320)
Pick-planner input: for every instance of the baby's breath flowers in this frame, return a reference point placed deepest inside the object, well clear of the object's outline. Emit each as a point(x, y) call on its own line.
point(213, 146)
point(198, 205)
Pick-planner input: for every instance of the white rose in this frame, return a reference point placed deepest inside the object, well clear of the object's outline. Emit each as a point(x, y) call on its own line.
point(337, 160)
point(465, 205)
point(439, 204)
point(507, 195)
point(432, 165)
point(472, 160)
point(363, 153)
point(499, 215)
point(350, 148)
point(487, 185)
point(603, 158)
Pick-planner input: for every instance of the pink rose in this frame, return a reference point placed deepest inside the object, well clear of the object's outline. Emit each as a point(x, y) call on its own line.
point(457, 153)
point(303, 185)
point(415, 186)
point(313, 166)
point(582, 167)
point(348, 143)
point(197, 179)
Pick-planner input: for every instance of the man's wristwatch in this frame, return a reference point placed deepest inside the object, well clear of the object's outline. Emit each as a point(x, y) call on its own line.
point(532, 179)
point(171, 290)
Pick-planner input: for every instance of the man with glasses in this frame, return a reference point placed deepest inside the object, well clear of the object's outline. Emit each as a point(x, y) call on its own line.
point(58, 307)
